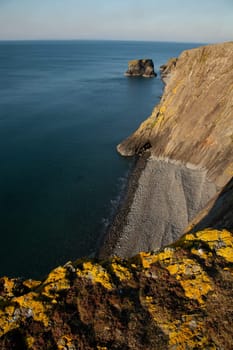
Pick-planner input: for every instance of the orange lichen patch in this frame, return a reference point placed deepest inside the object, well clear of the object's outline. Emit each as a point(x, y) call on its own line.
point(9, 284)
point(7, 320)
point(31, 284)
point(96, 273)
point(226, 253)
point(147, 259)
point(193, 279)
point(215, 239)
point(101, 348)
point(30, 341)
point(120, 271)
point(201, 253)
point(30, 306)
point(55, 282)
point(184, 333)
point(219, 241)
point(65, 342)
point(188, 333)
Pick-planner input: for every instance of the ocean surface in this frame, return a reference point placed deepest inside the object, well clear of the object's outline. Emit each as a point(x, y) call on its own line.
point(64, 106)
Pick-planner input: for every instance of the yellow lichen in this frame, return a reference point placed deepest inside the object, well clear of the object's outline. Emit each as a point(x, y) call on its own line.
point(30, 306)
point(7, 320)
point(120, 271)
point(30, 341)
point(183, 333)
point(147, 259)
point(8, 286)
point(219, 241)
point(55, 282)
point(96, 273)
point(31, 284)
point(226, 253)
point(65, 342)
point(200, 253)
point(193, 279)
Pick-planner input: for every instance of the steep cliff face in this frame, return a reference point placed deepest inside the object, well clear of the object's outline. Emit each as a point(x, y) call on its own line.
point(193, 122)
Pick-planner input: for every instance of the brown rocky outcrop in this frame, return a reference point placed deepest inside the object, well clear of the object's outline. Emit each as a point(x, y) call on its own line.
point(142, 67)
point(180, 298)
point(167, 69)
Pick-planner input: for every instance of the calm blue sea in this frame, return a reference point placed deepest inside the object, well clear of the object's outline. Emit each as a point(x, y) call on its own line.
point(64, 106)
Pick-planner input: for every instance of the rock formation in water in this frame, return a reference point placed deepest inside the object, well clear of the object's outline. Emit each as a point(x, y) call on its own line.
point(138, 68)
point(182, 296)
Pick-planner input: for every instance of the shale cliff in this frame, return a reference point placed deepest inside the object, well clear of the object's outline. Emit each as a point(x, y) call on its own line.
point(180, 297)
point(189, 142)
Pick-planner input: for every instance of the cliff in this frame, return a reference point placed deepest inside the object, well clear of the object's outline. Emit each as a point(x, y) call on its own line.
point(188, 141)
point(180, 297)
point(193, 122)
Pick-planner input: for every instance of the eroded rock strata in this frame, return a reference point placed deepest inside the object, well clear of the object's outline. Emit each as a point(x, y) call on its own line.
point(189, 136)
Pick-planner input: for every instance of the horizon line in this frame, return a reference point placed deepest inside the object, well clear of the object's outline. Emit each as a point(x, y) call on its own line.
point(99, 39)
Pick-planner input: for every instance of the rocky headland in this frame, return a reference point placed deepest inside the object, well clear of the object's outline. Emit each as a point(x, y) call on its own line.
point(188, 139)
point(141, 68)
point(174, 297)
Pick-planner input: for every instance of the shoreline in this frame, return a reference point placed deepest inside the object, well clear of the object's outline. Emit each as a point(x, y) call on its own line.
point(112, 234)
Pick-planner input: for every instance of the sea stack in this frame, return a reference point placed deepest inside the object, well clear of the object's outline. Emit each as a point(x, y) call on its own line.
point(141, 68)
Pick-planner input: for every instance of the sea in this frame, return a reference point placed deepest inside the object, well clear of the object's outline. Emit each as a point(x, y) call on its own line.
point(64, 107)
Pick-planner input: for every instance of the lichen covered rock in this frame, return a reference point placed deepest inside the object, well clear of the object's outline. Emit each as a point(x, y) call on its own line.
point(178, 298)
point(142, 67)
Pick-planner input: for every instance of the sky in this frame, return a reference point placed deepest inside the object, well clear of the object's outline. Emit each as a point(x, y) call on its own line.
point(203, 21)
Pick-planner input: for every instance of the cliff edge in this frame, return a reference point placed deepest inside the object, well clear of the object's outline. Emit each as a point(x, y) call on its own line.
point(180, 298)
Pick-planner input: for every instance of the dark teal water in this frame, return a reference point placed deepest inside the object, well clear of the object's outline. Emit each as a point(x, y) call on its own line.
point(64, 106)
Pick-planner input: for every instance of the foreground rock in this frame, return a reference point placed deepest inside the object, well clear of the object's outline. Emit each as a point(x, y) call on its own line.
point(180, 298)
point(143, 67)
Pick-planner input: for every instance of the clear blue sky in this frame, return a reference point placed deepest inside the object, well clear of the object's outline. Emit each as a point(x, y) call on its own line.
point(168, 20)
